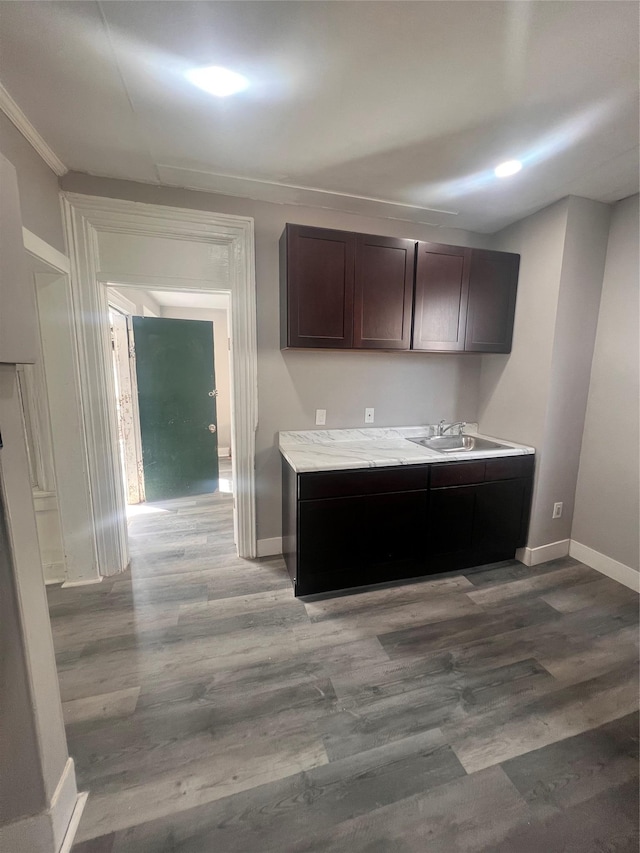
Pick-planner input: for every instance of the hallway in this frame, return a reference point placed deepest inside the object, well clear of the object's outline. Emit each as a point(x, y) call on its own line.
point(208, 710)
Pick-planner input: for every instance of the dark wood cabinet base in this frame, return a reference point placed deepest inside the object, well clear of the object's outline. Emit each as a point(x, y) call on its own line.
point(346, 529)
point(387, 574)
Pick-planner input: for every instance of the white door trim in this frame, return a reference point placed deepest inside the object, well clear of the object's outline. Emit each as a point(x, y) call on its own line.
point(129, 415)
point(59, 360)
point(85, 217)
point(39, 248)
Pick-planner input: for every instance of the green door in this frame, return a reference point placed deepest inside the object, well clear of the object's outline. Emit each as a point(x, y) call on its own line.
point(176, 382)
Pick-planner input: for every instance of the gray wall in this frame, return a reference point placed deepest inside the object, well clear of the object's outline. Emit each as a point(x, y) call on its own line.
point(583, 260)
point(514, 388)
point(538, 394)
point(403, 388)
point(19, 751)
point(607, 510)
point(33, 751)
point(37, 185)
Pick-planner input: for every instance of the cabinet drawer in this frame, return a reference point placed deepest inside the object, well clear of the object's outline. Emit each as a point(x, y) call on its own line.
point(457, 473)
point(508, 467)
point(369, 481)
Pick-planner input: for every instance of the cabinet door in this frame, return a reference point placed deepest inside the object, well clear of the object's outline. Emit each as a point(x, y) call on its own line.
point(383, 292)
point(500, 512)
point(442, 274)
point(493, 281)
point(451, 520)
point(471, 525)
point(345, 542)
point(319, 273)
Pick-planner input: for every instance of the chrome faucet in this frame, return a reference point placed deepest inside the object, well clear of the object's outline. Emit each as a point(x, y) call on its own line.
point(442, 428)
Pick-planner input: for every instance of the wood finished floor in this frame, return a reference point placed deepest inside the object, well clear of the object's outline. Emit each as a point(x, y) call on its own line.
point(209, 711)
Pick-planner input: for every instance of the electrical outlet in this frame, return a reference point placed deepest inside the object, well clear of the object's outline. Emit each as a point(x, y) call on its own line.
point(368, 416)
point(321, 417)
point(557, 510)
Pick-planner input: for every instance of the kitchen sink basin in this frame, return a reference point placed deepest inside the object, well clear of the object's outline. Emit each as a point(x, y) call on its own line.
point(457, 443)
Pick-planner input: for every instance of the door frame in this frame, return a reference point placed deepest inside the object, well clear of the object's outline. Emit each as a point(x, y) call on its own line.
point(62, 397)
point(124, 357)
point(85, 217)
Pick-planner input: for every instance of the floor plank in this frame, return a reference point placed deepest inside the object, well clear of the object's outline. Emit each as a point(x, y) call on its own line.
point(578, 768)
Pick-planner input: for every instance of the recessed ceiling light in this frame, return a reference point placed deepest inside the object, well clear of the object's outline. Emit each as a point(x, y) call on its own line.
point(218, 81)
point(509, 167)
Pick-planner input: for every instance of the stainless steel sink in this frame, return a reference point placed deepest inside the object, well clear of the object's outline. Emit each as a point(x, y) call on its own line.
point(457, 443)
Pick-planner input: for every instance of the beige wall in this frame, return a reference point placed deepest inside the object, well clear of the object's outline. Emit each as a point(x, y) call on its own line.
point(403, 388)
point(607, 511)
point(219, 319)
point(37, 185)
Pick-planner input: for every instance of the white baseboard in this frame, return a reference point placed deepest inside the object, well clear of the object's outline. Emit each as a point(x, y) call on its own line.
point(86, 582)
point(224, 451)
point(47, 830)
point(543, 553)
point(269, 547)
point(54, 572)
point(606, 565)
point(67, 844)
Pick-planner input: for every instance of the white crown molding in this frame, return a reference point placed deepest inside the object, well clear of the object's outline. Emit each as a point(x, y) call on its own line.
point(13, 112)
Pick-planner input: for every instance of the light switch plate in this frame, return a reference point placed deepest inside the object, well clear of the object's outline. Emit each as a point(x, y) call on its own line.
point(321, 417)
point(368, 416)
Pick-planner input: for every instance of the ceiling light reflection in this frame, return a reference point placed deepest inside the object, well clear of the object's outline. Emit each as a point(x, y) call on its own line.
point(559, 138)
point(508, 168)
point(218, 81)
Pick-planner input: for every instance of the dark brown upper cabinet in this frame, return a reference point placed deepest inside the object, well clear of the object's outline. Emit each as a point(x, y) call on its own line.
point(317, 282)
point(493, 281)
point(341, 290)
point(383, 292)
point(442, 287)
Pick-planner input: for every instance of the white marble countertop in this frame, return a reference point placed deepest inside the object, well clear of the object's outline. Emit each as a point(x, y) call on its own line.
point(373, 447)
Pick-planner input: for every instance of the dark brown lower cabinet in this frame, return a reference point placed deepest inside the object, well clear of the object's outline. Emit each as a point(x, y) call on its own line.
point(360, 540)
point(344, 529)
point(473, 525)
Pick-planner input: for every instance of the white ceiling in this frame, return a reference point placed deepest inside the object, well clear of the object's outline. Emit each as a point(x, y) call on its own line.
point(393, 108)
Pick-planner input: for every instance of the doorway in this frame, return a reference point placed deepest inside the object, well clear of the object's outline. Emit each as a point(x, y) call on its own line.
point(145, 245)
point(171, 365)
